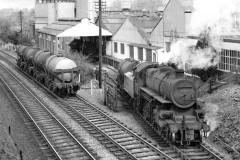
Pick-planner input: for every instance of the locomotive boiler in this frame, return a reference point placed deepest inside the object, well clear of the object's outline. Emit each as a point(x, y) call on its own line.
point(58, 73)
point(165, 99)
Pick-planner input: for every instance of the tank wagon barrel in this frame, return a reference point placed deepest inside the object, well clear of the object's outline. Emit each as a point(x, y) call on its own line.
point(58, 73)
point(165, 99)
point(54, 63)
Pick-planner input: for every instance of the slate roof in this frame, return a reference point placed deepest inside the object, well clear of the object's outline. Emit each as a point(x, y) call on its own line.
point(112, 21)
point(187, 5)
point(145, 24)
point(57, 27)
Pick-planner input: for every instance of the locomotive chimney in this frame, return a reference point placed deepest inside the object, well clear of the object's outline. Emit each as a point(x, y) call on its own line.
point(179, 73)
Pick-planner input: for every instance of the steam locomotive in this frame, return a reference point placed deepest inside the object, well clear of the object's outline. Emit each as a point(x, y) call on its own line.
point(165, 99)
point(59, 74)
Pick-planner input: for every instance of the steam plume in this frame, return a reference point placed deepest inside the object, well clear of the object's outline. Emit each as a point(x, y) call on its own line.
point(213, 17)
point(211, 111)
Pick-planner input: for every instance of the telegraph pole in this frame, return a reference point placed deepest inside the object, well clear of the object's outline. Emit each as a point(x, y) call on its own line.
point(100, 44)
point(21, 25)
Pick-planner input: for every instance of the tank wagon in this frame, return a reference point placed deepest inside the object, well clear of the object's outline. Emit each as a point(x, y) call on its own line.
point(59, 74)
point(165, 99)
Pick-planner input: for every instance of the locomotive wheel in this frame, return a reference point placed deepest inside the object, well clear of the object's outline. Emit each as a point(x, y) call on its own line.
point(51, 87)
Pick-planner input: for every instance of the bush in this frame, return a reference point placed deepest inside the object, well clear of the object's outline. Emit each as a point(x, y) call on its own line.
point(87, 49)
point(86, 70)
point(206, 73)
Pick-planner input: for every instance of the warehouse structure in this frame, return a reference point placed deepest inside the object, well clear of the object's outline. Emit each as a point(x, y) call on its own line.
point(139, 35)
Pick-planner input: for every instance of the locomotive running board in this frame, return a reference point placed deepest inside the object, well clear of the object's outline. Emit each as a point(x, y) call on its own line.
point(155, 95)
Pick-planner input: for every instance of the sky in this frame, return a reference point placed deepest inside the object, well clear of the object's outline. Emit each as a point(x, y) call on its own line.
point(17, 4)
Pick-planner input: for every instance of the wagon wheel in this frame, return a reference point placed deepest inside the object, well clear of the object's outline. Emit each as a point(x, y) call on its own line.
point(51, 87)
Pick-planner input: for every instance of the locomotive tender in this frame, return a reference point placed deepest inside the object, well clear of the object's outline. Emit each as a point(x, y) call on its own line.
point(58, 73)
point(165, 99)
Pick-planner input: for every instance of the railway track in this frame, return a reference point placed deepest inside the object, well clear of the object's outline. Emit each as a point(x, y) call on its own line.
point(200, 152)
point(58, 138)
point(121, 141)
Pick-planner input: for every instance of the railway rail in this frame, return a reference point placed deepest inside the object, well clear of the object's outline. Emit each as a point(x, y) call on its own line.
point(117, 142)
point(122, 141)
point(58, 138)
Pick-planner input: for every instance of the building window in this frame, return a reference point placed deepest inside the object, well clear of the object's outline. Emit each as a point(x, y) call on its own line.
point(229, 60)
point(154, 57)
point(122, 48)
point(140, 53)
point(168, 46)
point(115, 47)
point(149, 55)
point(131, 51)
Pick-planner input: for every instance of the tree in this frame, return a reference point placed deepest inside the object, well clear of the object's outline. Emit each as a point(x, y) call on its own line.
point(5, 29)
point(14, 38)
point(10, 28)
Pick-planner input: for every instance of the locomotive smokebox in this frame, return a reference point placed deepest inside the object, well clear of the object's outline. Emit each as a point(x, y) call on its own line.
point(171, 85)
point(179, 73)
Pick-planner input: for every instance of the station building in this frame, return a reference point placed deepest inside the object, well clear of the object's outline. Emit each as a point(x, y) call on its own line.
point(55, 16)
point(140, 35)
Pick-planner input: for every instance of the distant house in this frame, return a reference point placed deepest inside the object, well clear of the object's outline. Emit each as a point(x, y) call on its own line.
point(133, 39)
point(145, 36)
point(47, 35)
point(111, 21)
point(131, 36)
point(174, 24)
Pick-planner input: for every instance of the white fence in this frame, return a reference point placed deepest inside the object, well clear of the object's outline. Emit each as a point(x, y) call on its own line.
point(92, 88)
point(8, 46)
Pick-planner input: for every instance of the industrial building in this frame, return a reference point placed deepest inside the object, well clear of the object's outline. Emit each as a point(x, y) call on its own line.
point(140, 35)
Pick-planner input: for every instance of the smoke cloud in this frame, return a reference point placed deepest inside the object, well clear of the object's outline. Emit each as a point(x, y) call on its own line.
point(211, 111)
point(182, 52)
point(216, 14)
point(212, 16)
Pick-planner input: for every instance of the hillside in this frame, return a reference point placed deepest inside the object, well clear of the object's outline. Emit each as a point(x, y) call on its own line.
point(222, 112)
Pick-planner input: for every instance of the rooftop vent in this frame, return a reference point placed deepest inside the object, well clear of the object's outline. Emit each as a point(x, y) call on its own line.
point(144, 12)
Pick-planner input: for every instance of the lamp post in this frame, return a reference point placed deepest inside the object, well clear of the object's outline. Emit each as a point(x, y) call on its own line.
point(100, 44)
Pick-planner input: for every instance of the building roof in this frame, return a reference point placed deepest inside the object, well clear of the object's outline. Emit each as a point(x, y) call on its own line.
point(145, 24)
point(84, 29)
point(112, 21)
point(145, 46)
point(57, 27)
point(187, 5)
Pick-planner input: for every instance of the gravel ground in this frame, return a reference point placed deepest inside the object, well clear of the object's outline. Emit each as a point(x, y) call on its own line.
point(20, 139)
point(222, 112)
point(91, 141)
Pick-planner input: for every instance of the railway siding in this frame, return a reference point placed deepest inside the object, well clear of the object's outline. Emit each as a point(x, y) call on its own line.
point(63, 144)
point(116, 136)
